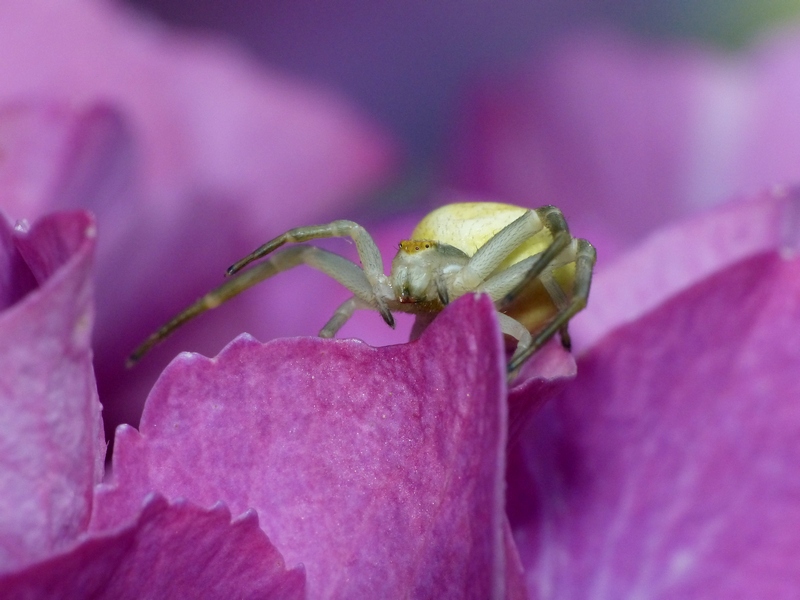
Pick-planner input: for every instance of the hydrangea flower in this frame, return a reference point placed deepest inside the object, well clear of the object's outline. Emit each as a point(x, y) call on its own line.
point(329, 468)
point(347, 469)
point(53, 451)
point(187, 152)
point(357, 462)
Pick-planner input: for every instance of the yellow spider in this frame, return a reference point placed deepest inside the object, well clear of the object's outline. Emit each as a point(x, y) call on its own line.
point(536, 273)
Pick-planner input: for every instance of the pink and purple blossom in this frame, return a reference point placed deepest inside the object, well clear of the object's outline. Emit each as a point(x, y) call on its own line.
point(186, 151)
point(354, 460)
point(660, 462)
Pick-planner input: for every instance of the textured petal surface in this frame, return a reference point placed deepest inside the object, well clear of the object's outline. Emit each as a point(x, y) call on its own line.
point(51, 444)
point(171, 551)
point(669, 469)
point(540, 379)
point(380, 470)
point(190, 156)
point(16, 278)
point(678, 256)
point(625, 136)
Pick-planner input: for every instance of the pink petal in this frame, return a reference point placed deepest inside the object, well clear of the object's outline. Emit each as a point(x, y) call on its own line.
point(210, 121)
point(51, 444)
point(380, 470)
point(624, 136)
point(189, 154)
point(676, 257)
point(669, 468)
point(171, 551)
point(16, 278)
point(540, 379)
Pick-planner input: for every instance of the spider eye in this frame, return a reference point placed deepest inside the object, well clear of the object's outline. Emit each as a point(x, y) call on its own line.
point(413, 246)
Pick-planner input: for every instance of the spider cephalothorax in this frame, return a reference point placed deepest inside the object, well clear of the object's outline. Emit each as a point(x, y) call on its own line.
point(422, 270)
point(537, 274)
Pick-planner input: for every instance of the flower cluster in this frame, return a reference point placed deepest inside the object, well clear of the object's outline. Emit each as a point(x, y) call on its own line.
point(660, 462)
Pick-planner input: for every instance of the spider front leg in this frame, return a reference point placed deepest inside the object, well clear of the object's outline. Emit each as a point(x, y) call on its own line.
point(368, 254)
point(339, 268)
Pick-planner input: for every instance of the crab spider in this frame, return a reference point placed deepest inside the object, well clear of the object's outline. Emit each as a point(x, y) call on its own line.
point(536, 273)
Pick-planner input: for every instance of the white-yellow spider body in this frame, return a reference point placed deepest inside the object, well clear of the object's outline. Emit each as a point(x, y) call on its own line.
point(469, 225)
point(537, 275)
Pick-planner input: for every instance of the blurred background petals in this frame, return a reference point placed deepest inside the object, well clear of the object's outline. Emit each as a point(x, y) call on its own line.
point(188, 152)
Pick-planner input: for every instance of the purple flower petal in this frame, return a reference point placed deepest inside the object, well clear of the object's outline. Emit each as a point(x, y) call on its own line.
point(171, 551)
point(209, 120)
point(515, 573)
point(189, 154)
point(540, 379)
point(676, 257)
point(668, 469)
point(16, 278)
point(625, 136)
point(380, 470)
point(51, 440)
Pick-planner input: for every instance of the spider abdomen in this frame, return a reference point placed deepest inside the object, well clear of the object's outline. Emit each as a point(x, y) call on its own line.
point(469, 225)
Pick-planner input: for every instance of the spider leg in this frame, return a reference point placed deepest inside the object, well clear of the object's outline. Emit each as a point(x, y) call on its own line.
point(510, 326)
point(501, 285)
point(368, 254)
point(584, 265)
point(506, 281)
point(489, 256)
point(441, 290)
point(555, 223)
point(563, 333)
point(342, 315)
point(349, 274)
point(557, 294)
